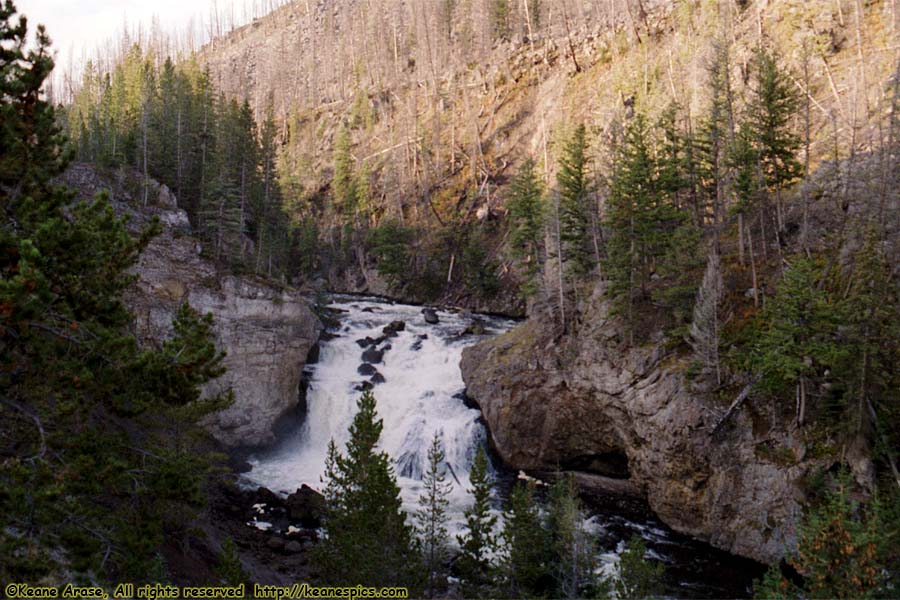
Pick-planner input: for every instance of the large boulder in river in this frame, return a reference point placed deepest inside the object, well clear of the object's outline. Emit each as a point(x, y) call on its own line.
point(587, 403)
point(431, 316)
point(267, 331)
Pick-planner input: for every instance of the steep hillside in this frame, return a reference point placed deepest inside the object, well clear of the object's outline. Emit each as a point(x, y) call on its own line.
point(431, 115)
point(442, 121)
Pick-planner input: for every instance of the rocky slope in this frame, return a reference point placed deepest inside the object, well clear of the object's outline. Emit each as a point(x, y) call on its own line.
point(266, 331)
point(629, 416)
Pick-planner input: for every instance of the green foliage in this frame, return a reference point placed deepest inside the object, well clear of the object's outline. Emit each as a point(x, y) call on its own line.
point(774, 105)
point(574, 210)
point(306, 247)
point(479, 269)
point(526, 214)
point(390, 245)
point(432, 516)
point(368, 541)
point(649, 234)
point(165, 121)
point(798, 338)
point(572, 549)
point(479, 542)
point(527, 560)
point(230, 570)
point(842, 551)
point(344, 183)
point(637, 577)
point(100, 437)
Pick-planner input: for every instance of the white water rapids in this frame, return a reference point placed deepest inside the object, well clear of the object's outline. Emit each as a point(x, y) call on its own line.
point(421, 396)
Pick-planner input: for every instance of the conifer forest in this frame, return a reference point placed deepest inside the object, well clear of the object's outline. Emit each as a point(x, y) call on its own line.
point(450, 299)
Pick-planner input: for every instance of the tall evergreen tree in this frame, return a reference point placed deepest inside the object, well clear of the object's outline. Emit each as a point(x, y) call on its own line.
point(527, 558)
point(368, 540)
point(432, 516)
point(574, 210)
point(344, 181)
point(527, 223)
point(478, 543)
point(798, 342)
point(571, 546)
point(637, 577)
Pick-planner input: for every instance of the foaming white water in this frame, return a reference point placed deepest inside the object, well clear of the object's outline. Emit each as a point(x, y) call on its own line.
point(419, 397)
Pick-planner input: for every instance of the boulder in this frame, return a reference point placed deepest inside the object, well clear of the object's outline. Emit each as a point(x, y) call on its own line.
point(431, 316)
point(373, 356)
point(394, 328)
point(366, 369)
point(306, 506)
point(266, 496)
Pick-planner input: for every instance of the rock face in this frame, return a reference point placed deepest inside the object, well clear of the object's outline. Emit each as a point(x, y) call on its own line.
point(586, 405)
point(267, 332)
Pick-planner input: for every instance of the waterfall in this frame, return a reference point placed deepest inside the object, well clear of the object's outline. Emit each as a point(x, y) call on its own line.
point(420, 394)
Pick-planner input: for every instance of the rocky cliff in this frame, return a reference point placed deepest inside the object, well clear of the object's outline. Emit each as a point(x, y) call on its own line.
point(267, 331)
point(584, 404)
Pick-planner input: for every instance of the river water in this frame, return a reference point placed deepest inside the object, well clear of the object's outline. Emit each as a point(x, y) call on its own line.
point(420, 392)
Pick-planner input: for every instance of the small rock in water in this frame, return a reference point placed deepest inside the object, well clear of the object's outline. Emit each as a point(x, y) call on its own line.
point(371, 309)
point(366, 369)
point(476, 327)
point(417, 345)
point(373, 356)
point(365, 386)
point(365, 342)
point(431, 316)
point(377, 378)
point(395, 327)
point(386, 347)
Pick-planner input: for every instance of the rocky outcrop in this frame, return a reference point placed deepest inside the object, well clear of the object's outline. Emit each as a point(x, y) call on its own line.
point(584, 404)
point(267, 331)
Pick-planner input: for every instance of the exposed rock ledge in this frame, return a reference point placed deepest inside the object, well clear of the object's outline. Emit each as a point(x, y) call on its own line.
point(586, 405)
point(267, 332)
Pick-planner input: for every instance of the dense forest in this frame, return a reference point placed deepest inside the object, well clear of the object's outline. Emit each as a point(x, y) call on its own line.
point(749, 227)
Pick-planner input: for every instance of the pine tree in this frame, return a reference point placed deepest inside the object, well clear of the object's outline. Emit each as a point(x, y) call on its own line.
point(526, 223)
point(368, 541)
point(80, 397)
point(432, 516)
point(841, 551)
point(637, 577)
point(344, 182)
point(572, 547)
point(478, 543)
point(574, 210)
point(527, 559)
point(798, 342)
point(773, 106)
